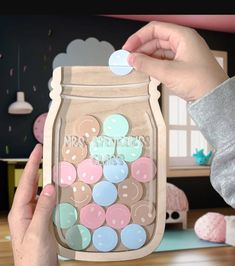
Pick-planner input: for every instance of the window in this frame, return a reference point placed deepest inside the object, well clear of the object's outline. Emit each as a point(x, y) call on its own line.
point(183, 136)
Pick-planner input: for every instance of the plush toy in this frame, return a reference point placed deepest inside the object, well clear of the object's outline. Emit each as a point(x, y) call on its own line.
point(201, 158)
point(176, 205)
point(211, 227)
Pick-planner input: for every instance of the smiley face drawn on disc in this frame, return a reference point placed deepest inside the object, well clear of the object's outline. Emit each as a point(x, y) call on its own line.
point(78, 237)
point(78, 194)
point(118, 62)
point(64, 174)
point(115, 126)
point(143, 169)
point(88, 127)
point(74, 155)
point(143, 212)
point(118, 216)
point(89, 171)
point(129, 148)
point(92, 216)
point(130, 191)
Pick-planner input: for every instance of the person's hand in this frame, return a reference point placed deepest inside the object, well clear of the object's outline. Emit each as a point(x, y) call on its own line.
point(177, 56)
point(30, 216)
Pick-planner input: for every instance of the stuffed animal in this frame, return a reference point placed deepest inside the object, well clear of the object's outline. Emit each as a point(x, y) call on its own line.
point(216, 227)
point(201, 158)
point(211, 227)
point(177, 205)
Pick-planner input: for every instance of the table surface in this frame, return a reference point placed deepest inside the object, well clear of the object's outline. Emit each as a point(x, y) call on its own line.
point(218, 256)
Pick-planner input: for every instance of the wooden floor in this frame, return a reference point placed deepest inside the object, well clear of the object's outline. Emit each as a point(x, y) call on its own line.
point(219, 256)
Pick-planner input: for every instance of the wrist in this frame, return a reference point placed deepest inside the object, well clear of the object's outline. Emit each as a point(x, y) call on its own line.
point(209, 86)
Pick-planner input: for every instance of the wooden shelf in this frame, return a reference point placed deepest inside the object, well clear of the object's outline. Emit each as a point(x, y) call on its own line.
point(188, 171)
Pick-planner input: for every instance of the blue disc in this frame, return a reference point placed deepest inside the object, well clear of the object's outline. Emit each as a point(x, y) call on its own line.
point(105, 239)
point(133, 236)
point(64, 215)
point(115, 170)
point(118, 63)
point(104, 193)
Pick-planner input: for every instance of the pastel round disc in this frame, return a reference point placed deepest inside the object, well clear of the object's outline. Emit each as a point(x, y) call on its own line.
point(143, 169)
point(74, 155)
point(104, 193)
point(64, 174)
point(64, 215)
point(89, 171)
point(88, 127)
point(133, 236)
point(143, 212)
point(78, 237)
point(77, 194)
point(118, 62)
point(115, 170)
point(129, 148)
point(92, 216)
point(115, 126)
point(38, 127)
point(102, 148)
point(104, 239)
point(118, 216)
point(130, 191)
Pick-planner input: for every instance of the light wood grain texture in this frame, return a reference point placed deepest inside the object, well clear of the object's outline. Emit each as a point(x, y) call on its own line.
point(219, 256)
point(80, 91)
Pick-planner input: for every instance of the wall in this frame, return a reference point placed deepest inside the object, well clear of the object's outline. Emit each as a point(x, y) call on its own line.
point(41, 38)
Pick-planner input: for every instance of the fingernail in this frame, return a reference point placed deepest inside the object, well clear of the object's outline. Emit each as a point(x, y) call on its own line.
point(38, 145)
point(48, 190)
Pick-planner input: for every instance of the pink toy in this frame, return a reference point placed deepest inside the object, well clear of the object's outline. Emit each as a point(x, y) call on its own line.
point(176, 205)
point(211, 227)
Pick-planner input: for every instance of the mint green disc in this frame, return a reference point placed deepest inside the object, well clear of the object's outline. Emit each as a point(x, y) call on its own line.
point(102, 148)
point(64, 215)
point(129, 148)
point(115, 126)
point(78, 237)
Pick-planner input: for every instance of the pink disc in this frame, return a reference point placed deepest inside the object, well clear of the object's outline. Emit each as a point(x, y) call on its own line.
point(143, 169)
point(118, 216)
point(38, 127)
point(89, 171)
point(92, 216)
point(64, 174)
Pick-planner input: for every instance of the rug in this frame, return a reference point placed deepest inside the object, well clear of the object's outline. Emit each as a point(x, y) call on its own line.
point(179, 239)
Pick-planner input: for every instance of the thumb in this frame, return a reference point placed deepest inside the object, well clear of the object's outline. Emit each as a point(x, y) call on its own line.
point(43, 211)
point(153, 67)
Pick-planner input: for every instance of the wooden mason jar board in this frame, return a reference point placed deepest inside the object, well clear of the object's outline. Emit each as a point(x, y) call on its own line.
point(105, 151)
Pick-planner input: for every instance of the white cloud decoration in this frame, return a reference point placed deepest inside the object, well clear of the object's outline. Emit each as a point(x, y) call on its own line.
point(90, 52)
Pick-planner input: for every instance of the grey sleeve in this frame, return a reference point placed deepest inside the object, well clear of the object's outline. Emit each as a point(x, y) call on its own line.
point(214, 114)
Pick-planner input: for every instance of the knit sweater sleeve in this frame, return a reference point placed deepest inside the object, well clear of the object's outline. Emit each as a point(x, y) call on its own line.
point(214, 114)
